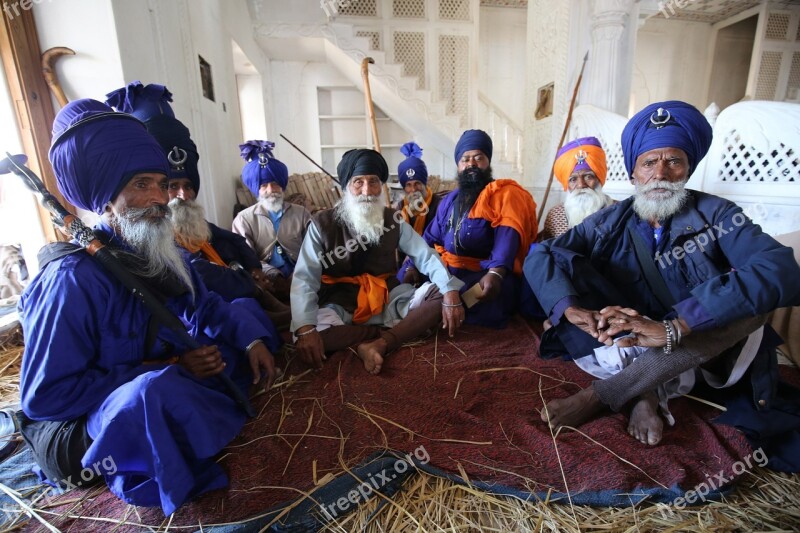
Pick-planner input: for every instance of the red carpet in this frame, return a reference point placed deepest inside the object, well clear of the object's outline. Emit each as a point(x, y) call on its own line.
point(472, 402)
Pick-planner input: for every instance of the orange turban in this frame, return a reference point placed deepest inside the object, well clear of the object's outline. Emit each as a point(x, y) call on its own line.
point(585, 153)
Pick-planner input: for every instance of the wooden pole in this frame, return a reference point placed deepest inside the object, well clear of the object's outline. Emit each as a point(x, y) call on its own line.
point(371, 114)
point(563, 135)
point(49, 58)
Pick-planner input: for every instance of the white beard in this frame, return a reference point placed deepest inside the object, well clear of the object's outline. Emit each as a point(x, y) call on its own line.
point(153, 240)
point(581, 203)
point(363, 216)
point(415, 198)
point(272, 201)
point(189, 221)
point(659, 206)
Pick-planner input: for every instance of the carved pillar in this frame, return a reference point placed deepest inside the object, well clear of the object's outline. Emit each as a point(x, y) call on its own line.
point(613, 28)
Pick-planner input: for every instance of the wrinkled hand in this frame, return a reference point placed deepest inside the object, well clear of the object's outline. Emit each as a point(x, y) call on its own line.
point(412, 276)
point(491, 284)
point(261, 359)
point(452, 317)
point(585, 319)
point(203, 362)
point(650, 333)
point(261, 280)
point(310, 349)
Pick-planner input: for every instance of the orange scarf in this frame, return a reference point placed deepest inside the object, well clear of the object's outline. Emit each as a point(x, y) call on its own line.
point(373, 294)
point(506, 203)
point(208, 251)
point(419, 222)
point(459, 261)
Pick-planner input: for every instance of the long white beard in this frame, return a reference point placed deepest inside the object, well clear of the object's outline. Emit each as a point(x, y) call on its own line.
point(272, 201)
point(363, 216)
point(581, 203)
point(152, 239)
point(189, 221)
point(659, 206)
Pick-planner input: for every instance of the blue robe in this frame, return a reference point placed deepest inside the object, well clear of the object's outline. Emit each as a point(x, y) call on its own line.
point(85, 355)
point(478, 239)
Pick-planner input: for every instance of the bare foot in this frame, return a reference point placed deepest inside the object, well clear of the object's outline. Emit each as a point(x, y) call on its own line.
point(371, 353)
point(645, 425)
point(574, 410)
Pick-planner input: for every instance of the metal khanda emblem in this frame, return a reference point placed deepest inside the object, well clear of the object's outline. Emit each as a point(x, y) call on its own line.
point(410, 173)
point(581, 156)
point(660, 118)
point(262, 160)
point(177, 158)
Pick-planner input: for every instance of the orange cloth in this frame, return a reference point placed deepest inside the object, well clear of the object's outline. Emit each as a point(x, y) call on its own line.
point(506, 203)
point(419, 223)
point(595, 158)
point(459, 261)
point(208, 251)
point(373, 294)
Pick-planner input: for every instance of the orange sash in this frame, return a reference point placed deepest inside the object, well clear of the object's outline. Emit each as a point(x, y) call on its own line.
point(373, 294)
point(208, 251)
point(419, 222)
point(459, 261)
point(506, 203)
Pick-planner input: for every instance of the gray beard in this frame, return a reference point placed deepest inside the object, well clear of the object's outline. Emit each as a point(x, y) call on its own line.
point(363, 216)
point(189, 221)
point(272, 202)
point(659, 206)
point(581, 203)
point(153, 241)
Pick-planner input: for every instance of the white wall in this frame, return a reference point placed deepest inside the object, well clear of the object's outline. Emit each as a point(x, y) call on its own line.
point(502, 57)
point(731, 65)
point(251, 104)
point(670, 63)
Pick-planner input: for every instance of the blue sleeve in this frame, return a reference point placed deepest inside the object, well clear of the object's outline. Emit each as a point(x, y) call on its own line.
point(504, 250)
point(225, 281)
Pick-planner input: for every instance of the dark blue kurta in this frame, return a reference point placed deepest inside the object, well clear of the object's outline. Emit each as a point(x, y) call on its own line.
point(85, 354)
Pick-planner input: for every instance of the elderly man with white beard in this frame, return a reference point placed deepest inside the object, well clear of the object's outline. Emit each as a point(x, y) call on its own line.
point(581, 168)
point(344, 290)
point(103, 382)
point(272, 227)
point(685, 276)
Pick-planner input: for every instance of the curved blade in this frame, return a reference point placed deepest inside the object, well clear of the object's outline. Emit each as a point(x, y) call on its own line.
point(10, 163)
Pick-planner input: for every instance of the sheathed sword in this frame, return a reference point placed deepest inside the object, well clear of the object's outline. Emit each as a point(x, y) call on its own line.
point(86, 237)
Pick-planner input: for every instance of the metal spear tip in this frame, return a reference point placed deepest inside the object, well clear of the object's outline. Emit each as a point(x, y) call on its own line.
point(12, 162)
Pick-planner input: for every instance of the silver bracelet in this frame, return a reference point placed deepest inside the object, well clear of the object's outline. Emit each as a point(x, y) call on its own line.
point(670, 335)
point(459, 304)
point(676, 327)
point(309, 332)
point(498, 274)
point(252, 345)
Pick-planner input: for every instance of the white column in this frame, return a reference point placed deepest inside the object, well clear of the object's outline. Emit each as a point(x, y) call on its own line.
point(613, 29)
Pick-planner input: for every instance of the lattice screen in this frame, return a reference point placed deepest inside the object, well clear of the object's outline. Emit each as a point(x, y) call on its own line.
point(409, 50)
point(454, 10)
point(768, 75)
point(614, 160)
point(777, 26)
point(793, 85)
point(374, 39)
point(742, 162)
point(408, 9)
point(358, 8)
point(453, 74)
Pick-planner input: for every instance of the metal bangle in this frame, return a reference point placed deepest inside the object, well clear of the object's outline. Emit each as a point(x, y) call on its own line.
point(309, 332)
point(676, 327)
point(670, 335)
point(252, 345)
point(498, 274)
point(459, 304)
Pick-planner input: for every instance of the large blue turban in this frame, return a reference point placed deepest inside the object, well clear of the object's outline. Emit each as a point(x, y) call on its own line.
point(474, 140)
point(96, 151)
point(150, 104)
point(412, 167)
point(262, 167)
point(671, 124)
point(361, 162)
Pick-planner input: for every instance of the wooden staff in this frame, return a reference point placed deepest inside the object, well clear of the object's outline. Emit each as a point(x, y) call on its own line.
point(563, 135)
point(371, 113)
point(49, 58)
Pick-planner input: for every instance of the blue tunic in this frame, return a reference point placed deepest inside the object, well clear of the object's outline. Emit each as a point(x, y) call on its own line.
point(85, 355)
point(498, 246)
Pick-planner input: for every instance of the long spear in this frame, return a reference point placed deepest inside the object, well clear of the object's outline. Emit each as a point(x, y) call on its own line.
point(309, 158)
point(563, 136)
point(371, 113)
point(88, 240)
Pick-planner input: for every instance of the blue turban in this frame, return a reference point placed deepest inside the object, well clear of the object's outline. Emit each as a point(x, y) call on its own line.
point(671, 124)
point(96, 151)
point(412, 167)
point(150, 104)
point(262, 167)
point(474, 140)
point(361, 162)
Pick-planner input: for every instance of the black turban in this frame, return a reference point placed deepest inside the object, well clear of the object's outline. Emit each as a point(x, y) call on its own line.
point(361, 162)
